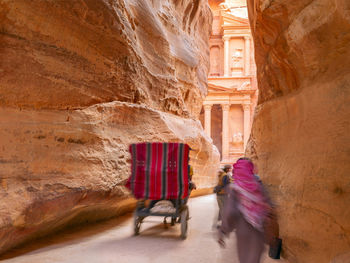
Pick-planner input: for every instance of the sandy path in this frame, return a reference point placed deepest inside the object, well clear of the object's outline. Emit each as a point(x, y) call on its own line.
point(113, 241)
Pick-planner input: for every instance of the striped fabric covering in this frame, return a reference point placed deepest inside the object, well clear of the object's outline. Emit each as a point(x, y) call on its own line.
point(159, 170)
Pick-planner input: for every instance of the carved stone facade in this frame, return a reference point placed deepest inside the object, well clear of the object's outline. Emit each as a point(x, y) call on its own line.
point(232, 93)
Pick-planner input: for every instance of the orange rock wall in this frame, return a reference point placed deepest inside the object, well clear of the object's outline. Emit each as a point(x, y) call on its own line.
point(300, 137)
point(79, 82)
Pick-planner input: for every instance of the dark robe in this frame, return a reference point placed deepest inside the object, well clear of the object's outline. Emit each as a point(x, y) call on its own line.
point(250, 242)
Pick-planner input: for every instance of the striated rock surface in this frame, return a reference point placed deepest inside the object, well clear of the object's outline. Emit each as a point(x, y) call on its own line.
point(300, 137)
point(79, 81)
point(72, 54)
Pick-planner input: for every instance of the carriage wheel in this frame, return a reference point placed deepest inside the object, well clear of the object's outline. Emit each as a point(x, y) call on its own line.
point(137, 224)
point(183, 220)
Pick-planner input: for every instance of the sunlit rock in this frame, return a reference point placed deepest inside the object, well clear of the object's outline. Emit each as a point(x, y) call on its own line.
point(300, 136)
point(79, 82)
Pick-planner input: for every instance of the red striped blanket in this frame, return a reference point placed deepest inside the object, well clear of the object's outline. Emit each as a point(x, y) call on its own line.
point(159, 170)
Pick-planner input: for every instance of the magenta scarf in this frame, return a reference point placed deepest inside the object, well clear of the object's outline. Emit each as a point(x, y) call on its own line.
point(252, 200)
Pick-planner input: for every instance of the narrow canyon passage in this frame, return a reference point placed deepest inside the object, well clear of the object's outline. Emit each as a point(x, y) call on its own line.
point(113, 241)
point(82, 80)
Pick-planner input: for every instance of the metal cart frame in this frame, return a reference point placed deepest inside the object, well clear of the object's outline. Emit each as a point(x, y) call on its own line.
point(181, 216)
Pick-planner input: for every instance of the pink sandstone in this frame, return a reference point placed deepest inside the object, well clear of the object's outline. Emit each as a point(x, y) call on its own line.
point(300, 135)
point(79, 82)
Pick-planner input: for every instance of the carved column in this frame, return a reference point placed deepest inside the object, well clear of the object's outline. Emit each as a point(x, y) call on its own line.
point(247, 55)
point(225, 131)
point(246, 110)
point(207, 119)
point(227, 56)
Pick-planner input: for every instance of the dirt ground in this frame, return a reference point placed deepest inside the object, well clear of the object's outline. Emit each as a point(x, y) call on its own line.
point(113, 241)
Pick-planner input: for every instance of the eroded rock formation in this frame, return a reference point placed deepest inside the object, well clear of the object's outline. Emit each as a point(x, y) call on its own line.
point(79, 81)
point(300, 136)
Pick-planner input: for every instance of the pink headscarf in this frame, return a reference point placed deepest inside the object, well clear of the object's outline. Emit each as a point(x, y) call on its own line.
point(253, 203)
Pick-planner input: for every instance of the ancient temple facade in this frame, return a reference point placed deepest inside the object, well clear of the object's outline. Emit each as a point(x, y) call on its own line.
point(232, 87)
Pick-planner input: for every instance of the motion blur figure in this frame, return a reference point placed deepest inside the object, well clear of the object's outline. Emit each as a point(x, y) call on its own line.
point(224, 178)
point(245, 210)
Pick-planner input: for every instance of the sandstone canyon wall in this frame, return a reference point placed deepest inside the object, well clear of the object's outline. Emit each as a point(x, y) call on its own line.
point(79, 81)
point(300, 137)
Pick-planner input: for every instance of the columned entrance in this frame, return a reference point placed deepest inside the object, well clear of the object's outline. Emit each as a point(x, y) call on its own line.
point(228, 123)
point(232, 91)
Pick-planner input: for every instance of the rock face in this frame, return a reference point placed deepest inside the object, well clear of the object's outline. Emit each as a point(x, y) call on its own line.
point(300, 136)
point(80, 81)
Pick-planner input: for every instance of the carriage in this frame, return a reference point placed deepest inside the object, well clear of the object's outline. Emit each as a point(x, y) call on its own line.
point(159, 171)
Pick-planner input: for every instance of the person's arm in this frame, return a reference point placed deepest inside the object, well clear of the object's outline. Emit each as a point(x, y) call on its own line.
point(225, 180)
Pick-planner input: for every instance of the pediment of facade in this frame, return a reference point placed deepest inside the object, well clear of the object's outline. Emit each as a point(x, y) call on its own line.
point(230, 20)
point(219, 89)
point(245, 88)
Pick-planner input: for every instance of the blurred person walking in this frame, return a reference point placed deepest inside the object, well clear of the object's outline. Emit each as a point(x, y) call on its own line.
point(245, 209)
point(224, 178)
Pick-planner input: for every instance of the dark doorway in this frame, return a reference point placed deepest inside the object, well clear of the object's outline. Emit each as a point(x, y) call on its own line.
point(216, 127)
